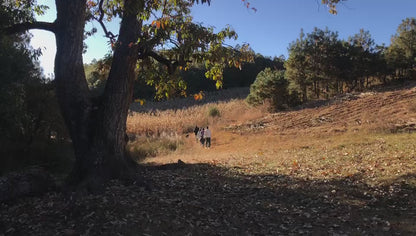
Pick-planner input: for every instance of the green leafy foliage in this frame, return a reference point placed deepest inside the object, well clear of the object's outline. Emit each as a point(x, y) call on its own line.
point(321, 65)
point(270, 85)
point(296, 66)
point(234, 77)
point(26, 96)
point(29, 113)
point(96, 74)
point(332, 5)
point(402, 52)
point(13, 12)
point(170, 43)
point(156, 76)
point(189, 80)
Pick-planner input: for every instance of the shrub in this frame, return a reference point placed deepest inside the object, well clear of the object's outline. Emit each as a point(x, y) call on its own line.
point(214, 112)
point(189, 128)
point(151, 147)
point(270, 85)
point(29, 111)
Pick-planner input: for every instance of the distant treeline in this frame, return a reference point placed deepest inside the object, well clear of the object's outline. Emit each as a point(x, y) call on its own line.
point(320, 65)
point(194, 77)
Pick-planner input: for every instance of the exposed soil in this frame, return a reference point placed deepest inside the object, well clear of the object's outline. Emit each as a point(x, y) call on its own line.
point(346, 168)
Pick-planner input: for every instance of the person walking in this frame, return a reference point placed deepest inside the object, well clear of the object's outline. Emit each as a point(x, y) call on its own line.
point(196, 130)
point(202, 137)
point(207, 136)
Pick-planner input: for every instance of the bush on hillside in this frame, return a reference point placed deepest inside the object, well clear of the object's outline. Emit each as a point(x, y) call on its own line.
point(270, 85)
point(214, 112)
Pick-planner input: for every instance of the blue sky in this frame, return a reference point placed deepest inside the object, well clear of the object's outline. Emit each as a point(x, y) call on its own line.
point(269, 30)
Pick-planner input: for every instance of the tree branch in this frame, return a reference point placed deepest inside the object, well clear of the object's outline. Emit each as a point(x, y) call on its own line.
point(107, 33)
point(22, 27)
point(171, 64)
point(172, 41)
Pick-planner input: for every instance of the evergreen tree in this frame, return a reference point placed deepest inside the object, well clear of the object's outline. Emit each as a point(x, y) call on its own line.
point(401, 54)
point(270, 85)
point(296, 66)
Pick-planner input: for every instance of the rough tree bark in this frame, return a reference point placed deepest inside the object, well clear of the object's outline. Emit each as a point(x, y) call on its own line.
point(97, 130)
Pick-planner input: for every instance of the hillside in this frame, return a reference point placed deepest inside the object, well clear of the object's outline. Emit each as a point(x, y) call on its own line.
point(345, 166)
point(340, 167)
point(353, 112)
point(247, 130)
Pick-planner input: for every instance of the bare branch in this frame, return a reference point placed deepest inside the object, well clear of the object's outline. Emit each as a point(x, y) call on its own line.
point(164, 7)
point(107, 33)
point(22, 27)
point(176, 43)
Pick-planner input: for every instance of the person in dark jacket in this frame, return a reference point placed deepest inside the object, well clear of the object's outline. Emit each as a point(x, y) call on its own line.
point(196, 130)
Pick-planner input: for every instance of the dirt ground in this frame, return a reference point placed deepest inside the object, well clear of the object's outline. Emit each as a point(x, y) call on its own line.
point(345, 167)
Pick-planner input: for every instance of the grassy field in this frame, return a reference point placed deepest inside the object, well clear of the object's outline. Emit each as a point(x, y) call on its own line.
point(340, 167)
point(368, 135)
point(358, 150)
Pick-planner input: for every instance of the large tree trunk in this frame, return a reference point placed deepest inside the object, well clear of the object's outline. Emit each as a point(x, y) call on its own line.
point(109, 123)
point(97, 130)
point(72, 89)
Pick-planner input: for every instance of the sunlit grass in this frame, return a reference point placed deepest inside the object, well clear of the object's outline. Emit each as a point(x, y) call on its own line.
point(182, 121)
point(151, 147)
point(356, 141)
point(372, 158)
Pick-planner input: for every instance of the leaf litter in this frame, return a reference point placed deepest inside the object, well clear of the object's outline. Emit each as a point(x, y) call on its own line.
point(202, 199)
point(357, 184)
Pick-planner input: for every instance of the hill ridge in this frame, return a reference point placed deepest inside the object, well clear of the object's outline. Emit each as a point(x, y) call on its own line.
point(366, 110)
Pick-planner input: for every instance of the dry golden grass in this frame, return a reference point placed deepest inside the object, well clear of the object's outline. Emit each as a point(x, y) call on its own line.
point(182, 121)
point(356, 137)
point(343, 169)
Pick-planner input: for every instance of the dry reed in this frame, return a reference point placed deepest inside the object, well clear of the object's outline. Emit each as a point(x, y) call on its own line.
point(152, 122)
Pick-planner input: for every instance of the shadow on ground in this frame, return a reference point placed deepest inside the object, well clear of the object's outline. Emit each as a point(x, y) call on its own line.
point(204, 199)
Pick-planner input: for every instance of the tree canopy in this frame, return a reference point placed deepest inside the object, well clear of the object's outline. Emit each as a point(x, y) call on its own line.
point(402, 51)
point(154, 33)
point(151, 31)
point(322, 65)
point(28, 111)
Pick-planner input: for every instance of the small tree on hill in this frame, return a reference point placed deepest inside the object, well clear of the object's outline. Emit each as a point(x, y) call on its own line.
point(270, 85)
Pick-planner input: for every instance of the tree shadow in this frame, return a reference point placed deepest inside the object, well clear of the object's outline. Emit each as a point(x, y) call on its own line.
point(281, 204)
point(203, 199)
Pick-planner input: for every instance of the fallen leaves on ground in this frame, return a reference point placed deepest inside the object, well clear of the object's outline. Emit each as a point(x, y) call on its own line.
point(202, 199)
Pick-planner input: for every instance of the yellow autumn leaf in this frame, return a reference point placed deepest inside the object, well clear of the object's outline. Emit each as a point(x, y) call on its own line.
point(141, 101)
